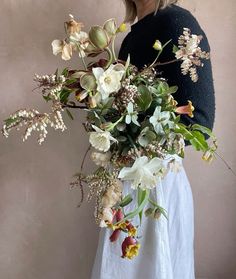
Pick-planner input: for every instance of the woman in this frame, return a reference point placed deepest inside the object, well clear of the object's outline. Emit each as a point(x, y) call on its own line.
point(167, 246)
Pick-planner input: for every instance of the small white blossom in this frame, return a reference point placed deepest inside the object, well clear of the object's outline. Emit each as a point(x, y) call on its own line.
point(132, 115)
point(101, 159)
point(160, 119)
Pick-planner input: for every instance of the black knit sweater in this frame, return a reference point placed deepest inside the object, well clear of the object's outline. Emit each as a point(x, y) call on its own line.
point(165, 25)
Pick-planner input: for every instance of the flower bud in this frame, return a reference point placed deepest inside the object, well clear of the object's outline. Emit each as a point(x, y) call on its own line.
point(122, 28)
point(110, 26)
point(207, 156)
point(157, 45)
point(149, 212)
point(114, 236)
point(81, 95)
point(99, 37)
point(92, 102)
point(157, 213)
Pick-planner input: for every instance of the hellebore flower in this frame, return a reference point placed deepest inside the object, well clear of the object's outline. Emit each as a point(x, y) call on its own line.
point(110, 80)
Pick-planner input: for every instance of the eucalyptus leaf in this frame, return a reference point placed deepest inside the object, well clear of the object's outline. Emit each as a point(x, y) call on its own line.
point(144, 100)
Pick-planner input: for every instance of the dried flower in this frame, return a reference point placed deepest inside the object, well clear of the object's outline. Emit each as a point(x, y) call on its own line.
point(190, 53)
point(101, 159)
point(73, 26)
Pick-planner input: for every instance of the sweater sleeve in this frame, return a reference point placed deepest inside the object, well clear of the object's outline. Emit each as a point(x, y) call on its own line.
point(201, 93)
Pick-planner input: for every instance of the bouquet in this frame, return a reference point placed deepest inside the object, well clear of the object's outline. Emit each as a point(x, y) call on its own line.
point(133, 122)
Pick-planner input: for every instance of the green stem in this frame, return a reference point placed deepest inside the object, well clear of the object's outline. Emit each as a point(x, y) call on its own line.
point(110, 57)
point(113, 48)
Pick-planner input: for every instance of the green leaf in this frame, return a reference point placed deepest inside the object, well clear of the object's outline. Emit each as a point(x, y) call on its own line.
point(65, 72)
point(126, 200)
point(144, 100)
point(64, 95)
point(171, 90)
point(71, 81)
point(47, 98)
point(199, 142)
point(203, 129)
point(69, 114)
point(181, 128)
point(10, 121)
point(138, 209)
point(175, 49)
point(141, 197)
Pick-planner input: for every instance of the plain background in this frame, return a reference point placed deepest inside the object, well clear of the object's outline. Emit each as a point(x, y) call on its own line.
point(42, 233)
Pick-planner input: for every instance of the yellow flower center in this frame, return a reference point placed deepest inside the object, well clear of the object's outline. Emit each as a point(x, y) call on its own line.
point(107, 80)
point(132, 251)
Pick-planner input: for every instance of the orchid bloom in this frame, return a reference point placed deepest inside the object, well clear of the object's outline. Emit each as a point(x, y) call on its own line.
point(130, 247)
point(188, 109)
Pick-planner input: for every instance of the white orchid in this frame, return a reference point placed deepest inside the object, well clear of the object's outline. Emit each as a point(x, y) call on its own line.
point(101, 140)
point(132, 115)
point(110, 80)
point(144, 173)
point(160, 119)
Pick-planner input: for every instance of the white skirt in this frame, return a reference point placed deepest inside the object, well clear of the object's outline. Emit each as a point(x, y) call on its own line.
point(167, 246)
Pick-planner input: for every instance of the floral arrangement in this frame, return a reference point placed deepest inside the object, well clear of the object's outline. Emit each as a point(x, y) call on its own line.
point(133, 122)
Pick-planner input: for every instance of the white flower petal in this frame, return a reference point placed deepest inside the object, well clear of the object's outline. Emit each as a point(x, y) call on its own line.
point(128, 119)
point(57, 46)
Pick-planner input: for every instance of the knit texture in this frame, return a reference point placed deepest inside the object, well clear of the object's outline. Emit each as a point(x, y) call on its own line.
point(165, 25)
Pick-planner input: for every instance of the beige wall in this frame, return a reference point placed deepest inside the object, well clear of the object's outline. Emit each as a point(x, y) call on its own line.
point(42, 233)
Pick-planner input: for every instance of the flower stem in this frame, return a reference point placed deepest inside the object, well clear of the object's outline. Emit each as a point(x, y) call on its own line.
point(165, 63)
point(110, 57)
point(113, 48)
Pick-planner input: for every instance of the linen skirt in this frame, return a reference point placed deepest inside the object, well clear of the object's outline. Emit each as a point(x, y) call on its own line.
point(167, 245)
